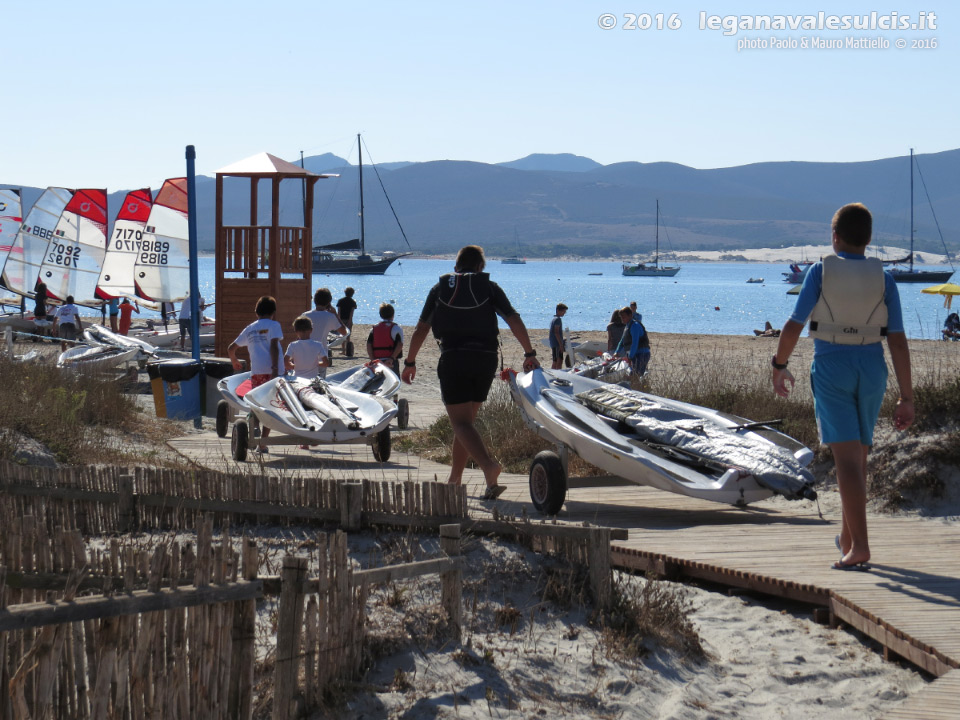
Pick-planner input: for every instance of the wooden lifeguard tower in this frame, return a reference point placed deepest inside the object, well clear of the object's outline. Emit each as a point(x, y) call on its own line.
point(257, 259)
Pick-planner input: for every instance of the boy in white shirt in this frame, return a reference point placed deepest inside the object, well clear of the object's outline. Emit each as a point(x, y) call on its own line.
point(324, 318)
point(307, 358)
point(263, 340)
point(66, 323)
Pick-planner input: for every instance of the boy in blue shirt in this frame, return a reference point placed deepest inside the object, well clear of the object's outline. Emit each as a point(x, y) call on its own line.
point(852, 304)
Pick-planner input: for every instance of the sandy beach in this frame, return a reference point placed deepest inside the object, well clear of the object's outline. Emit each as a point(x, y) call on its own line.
point(765, 658)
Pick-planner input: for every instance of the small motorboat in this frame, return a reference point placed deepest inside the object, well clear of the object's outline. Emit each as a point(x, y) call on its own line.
point(654, 441)
point(313, 412)
point(755, 280)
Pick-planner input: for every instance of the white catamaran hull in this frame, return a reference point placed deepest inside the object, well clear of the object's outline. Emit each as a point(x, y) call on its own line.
point(665, 444)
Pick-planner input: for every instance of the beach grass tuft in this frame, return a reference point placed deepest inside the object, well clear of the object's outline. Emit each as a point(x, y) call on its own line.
point(70, 413)
point(645, 614)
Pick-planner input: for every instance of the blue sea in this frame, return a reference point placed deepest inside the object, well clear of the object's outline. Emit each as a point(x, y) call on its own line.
point(703, 298)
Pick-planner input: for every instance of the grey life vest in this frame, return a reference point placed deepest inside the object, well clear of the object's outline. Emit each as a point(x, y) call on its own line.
point(851, 309)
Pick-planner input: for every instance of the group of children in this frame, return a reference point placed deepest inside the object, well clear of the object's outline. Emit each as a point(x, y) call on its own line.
point(309, 355)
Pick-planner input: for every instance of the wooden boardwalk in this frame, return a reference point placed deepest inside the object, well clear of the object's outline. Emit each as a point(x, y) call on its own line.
point(909, 602)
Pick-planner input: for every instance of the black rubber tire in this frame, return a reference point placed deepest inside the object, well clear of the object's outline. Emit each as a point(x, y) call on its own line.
point(403, 413)
point(349, 348)
point(223, 418)
point(240, 440)
point(548, 483)
point(381, 445)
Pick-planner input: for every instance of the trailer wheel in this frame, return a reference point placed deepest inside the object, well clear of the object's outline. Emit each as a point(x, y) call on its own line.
point(548, 483)
point(223, 418)
point(240, 440)
point(349, 348)
point(381, 445)
point(403, 413)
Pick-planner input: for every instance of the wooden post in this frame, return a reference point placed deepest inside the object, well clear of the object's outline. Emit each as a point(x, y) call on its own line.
point(8, 338)
point(351, 506)
point(127, 504)
point(240, 701)
point(598, 553)
point(451, 581)
point(289, 624)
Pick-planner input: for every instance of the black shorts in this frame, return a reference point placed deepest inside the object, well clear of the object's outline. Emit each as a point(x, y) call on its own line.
point(185, 327)
point(557, 353)
point(466, 375)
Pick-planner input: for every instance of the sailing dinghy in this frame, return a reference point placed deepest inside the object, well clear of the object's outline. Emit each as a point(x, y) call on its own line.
point(162, 266)
point(22, 268)
point(312, 412)
point(124, 245)
point(10, 219)
point(71, 265)
point(654, 441)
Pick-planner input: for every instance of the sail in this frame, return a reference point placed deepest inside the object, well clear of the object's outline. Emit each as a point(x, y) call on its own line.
point(162, 269)
point(123, 246)
point(345, 245)
point(74, 256)
point(30, 248)
point(10, 219)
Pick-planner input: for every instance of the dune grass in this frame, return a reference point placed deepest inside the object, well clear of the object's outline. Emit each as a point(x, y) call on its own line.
point(73, 414)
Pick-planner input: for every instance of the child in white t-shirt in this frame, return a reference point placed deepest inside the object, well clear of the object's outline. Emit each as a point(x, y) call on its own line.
point(67, 323)
point(263, 339)
point(307, 358)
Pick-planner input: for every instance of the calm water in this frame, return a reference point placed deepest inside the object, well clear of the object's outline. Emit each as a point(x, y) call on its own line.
point(702, 298)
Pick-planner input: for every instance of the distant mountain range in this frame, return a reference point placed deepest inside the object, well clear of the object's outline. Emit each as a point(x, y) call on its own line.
point(570, 205)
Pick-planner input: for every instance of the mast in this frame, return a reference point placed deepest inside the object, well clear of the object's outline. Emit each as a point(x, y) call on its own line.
point(911, 209)
point(656, 252)
point(363, 250)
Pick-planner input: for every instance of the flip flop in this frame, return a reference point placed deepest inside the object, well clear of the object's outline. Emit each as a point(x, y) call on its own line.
point(836, 541)
point(858, 566)
point(493, 492)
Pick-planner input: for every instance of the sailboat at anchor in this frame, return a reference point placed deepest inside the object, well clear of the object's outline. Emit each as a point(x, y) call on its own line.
point(909, 274)
point(654, 269)
point(350, 257)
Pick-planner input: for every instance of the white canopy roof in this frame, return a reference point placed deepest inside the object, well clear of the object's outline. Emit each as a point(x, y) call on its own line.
point(266, 164)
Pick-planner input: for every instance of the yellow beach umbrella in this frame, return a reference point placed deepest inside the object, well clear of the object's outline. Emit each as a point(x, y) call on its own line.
point(948, 290)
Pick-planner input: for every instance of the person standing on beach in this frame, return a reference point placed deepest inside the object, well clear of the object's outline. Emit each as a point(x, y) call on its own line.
point(67, 323)
point(852, 303)
point(634, 342)
point(186, 313)
point(126, 313)
point(263, 339)
point(324, 318)
point(345, 308)
point(556, 337)
point(385, 341)
point(615, 330)
point(462, 311)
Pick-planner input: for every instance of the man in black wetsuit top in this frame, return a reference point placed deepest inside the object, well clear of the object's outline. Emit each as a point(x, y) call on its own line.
point(462, 311)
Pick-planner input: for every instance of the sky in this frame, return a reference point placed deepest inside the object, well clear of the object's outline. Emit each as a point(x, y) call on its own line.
point(111, 93)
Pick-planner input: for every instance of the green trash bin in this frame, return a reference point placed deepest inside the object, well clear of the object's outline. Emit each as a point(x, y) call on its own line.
point(176, 388)
point(214, 370)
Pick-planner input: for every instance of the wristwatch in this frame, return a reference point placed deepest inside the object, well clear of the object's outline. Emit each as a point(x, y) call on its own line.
point(776, 365)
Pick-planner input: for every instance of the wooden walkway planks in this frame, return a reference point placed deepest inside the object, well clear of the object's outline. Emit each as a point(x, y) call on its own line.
point(909, 602)
point(939, 701)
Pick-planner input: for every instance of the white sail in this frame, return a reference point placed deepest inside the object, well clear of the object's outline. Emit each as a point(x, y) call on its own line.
point(27, 252)
point(10, 220)
point(162, 269)
point(74, 256)
point(123, 245)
